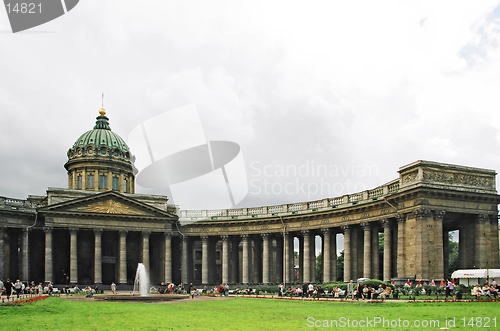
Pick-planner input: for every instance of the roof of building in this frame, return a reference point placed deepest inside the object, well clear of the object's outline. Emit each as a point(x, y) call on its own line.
point(100, 141)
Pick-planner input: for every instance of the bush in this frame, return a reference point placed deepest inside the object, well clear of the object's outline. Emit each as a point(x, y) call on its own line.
point(269, 289)
point(374, 283)
point(329, 286)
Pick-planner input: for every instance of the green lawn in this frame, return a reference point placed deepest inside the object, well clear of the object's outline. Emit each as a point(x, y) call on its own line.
point(239, 314)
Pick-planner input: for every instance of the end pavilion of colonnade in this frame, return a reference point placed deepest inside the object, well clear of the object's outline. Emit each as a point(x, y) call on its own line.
point(98, 229)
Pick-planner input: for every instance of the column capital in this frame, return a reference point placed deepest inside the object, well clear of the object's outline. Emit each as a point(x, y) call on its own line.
point(204, 237)
point(123, 233)
point(47, 229)
point(482, 218)
point(366, 226)
point(167, 234)
point(345, 227)
point(97, 232)
point(385, 223)
point(325, 230)
point(146, 233)
point(304, 232)
point(421, 213)
point(244, 236)
point(400, 218)
point(439, 214)
point(265, 235)
point(73, 230)
point(224, 237)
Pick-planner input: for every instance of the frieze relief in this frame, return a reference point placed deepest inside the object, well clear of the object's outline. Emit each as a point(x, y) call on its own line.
point(410, 177)
point(458, 179)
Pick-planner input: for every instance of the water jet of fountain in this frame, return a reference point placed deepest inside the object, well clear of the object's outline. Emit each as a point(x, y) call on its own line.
point(141, 283)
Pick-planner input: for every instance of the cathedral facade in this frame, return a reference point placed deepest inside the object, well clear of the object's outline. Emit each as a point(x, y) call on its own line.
point(98, 229)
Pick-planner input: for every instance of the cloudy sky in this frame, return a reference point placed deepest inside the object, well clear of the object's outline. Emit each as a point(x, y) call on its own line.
point(357, 88)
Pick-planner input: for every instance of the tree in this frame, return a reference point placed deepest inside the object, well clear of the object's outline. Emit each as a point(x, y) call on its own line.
point(340, 267)
point(452, 255)
point(319, 267)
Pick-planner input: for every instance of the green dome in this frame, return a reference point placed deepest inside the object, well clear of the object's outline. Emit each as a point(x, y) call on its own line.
point(100, 142)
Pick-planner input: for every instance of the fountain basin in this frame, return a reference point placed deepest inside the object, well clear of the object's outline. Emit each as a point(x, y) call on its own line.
point(140, 298)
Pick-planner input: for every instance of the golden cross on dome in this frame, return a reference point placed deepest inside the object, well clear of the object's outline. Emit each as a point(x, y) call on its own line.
point(102, 111)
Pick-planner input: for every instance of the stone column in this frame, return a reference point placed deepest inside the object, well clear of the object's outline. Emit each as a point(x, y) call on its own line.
point(25, 256)
point(375, 252)
point(333, 256)
point(312, 257)
point(288, 258)
point(48, 254)
point(225, 259)
point(97, 256)
point(145, 251)
point(307, 257)
point(245, 261)
point(347, 253)
point(280, 276)
point(2, 253)
point(185, 261)
point(122, 268)
point(168, 258)
point(463, 249)
point(439, 247)
point(481, 239)
point(494, 242)
point(401, 219)
point(235, 254)
point(265, 258)
point(326, 255)
point(301, 260)
point(204, 259)
point(73, 257)
point(367, 250)
point(387, 249)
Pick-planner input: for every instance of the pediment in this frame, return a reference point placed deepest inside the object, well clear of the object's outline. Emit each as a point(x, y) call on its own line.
point(107, 204)
point(110, 206)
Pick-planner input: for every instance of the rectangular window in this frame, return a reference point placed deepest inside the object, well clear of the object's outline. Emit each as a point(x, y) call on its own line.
point(115, 183)
point(79, 182)
point(125, 186)
point(103, 181)
point(90, 181)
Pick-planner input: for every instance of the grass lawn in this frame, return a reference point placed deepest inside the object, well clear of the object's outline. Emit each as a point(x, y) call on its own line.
point(240, 314)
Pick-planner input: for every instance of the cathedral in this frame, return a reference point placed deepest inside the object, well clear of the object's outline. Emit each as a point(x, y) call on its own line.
point(98, 229)
point(95, 231)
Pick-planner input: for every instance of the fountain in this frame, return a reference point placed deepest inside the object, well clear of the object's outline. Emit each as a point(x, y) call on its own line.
point(141, 287)
point(141, 283)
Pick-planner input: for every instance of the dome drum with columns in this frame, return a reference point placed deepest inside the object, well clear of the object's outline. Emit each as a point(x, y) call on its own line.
point(98, 229)
point(100, 160)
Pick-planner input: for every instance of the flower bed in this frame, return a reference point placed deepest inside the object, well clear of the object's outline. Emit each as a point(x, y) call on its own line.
point(20, 302)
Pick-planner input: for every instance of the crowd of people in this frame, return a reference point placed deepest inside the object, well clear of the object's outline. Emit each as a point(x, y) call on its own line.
point(304, 291)
point(367, 292)
point(18, 288)
point(487, 290)
point(354, 291)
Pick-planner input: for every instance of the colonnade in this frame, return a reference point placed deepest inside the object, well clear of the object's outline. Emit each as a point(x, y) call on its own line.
point(414, 244)
point(54, 255)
